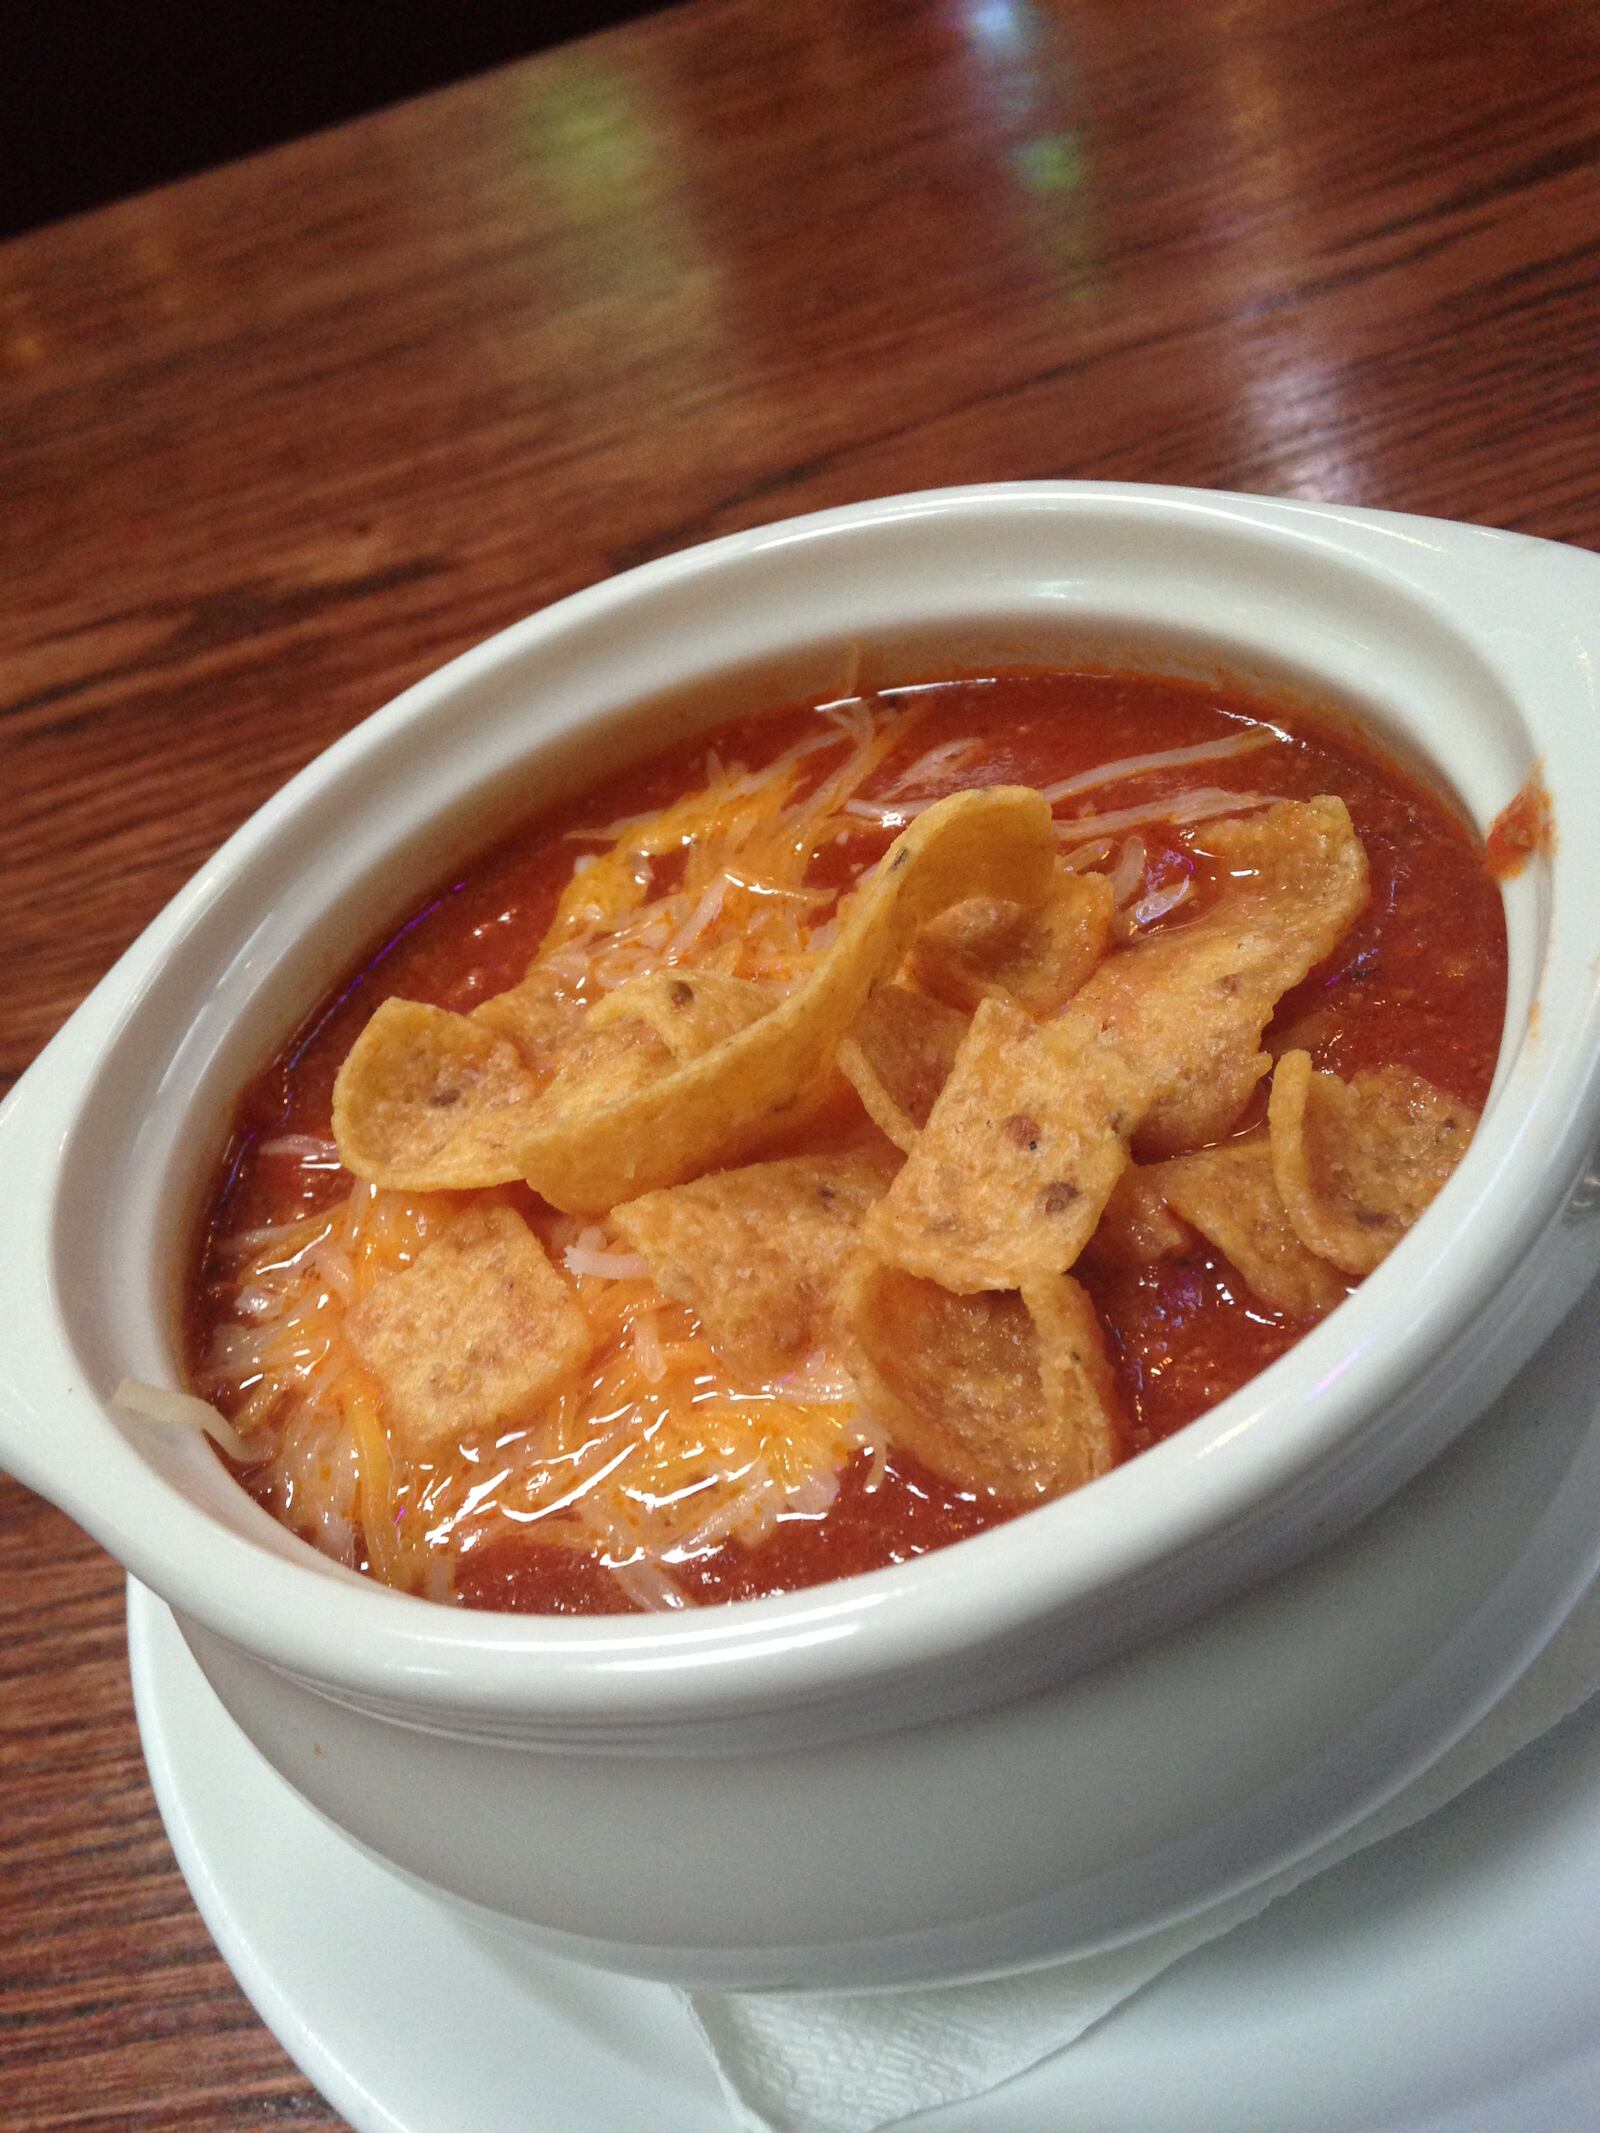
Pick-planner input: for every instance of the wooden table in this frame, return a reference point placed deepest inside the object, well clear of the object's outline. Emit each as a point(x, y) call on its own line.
point(276, 441)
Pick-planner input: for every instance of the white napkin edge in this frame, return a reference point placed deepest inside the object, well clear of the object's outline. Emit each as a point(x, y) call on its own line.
point(1049, 2009)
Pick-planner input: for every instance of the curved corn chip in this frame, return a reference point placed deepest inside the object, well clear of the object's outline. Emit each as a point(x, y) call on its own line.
point(709, 1111)
point(1357, 1162)
point(1035, 955)
point(898, 1056)
point(690, 1010)
point(539, 1021)
point(424, 1093)
point(586, 1152)
point(756, 1253)
point(994, 1391)
point(609, 1058)
point(1231, 1197)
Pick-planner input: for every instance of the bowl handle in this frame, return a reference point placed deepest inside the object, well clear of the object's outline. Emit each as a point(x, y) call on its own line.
point(39, 1375)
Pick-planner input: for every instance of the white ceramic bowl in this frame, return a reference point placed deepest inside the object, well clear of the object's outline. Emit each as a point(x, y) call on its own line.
point(450, 1741)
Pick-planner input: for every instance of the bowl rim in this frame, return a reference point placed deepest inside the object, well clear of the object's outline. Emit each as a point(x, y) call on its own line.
point(414, 1657)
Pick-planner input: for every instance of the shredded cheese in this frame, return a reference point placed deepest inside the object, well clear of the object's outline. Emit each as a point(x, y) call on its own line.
point(648, 1453)
point(1136, 766)
point(181, 1410)
point(1200, 804)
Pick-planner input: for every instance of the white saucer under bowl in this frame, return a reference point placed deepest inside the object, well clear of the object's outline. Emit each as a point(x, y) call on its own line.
point(1448, 1981)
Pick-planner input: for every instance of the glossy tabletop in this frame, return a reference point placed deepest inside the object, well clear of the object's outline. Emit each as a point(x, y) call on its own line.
point(276, 441)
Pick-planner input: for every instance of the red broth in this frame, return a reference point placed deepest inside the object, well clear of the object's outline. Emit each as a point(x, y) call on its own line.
point(1419, 981)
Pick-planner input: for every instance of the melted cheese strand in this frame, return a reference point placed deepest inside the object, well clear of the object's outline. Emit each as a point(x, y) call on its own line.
point(1138, 766)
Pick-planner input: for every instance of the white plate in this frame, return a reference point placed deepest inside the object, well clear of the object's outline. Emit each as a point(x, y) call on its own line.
point(1447, 1981)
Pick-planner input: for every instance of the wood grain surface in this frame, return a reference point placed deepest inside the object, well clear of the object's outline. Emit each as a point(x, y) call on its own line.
point(276, 441)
